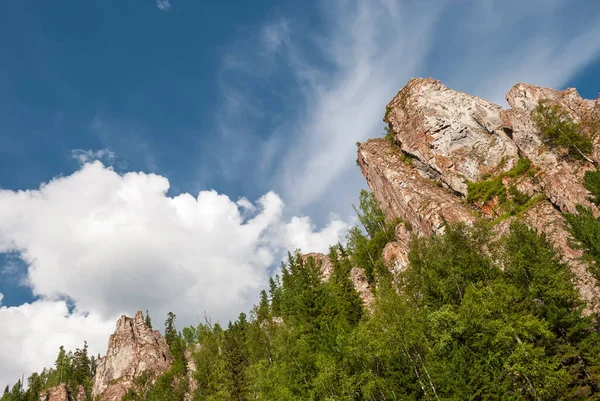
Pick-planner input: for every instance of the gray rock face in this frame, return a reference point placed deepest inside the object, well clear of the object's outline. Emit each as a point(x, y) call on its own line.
point(133, 349)
point(456, 136)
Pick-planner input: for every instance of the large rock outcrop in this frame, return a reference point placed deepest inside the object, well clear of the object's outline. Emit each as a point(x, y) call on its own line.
point(454, 136)
point(133, 349)
point(442, 139)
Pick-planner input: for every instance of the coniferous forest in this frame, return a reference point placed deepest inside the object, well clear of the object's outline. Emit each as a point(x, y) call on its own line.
point(473, 317)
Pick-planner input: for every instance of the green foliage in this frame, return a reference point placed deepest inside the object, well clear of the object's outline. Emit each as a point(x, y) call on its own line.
point(585, 229)
point(443, 267)
point(388, 110)
point(176, 344)
point(349, 302)
point(389, 136)
point(366, 247)
point(170, 386)
point(523, 166)
point(560, 131)
point(486, 190)
point(235, 358)
point(510, 200)
point(591, 181)
point(147, 320)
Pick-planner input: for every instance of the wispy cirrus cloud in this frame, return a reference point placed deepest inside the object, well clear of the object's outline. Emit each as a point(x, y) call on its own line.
point(310, 95)
point(163, 5)
point(87, 156)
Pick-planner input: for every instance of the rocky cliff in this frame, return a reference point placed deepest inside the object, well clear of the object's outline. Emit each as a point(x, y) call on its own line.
point(133, 349)
point(440, 140)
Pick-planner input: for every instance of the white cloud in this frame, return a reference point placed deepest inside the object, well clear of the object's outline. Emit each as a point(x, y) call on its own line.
point(115, 244)
point(32, 334)
point(163, 5)
point(300, 233)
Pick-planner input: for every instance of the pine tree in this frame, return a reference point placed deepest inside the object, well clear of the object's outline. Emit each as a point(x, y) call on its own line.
point(349, 301)
point(147, 320)
point(236, 359)
point(262, 312)
point(81, 369)
point(275, 296)
point(176, 344)
point(34, 386)
point(61, 367)
point(17, 393)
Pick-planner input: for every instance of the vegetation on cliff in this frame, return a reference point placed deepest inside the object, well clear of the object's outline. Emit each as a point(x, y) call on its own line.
point(560, 131)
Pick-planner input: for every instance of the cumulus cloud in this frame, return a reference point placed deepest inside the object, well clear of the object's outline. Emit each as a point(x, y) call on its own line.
point(163, 5)
point(300, 232)
point(116, 243)
point(32, 334)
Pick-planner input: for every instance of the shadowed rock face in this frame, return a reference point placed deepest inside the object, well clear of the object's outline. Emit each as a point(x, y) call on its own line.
point(133, 349)
point(451, 138)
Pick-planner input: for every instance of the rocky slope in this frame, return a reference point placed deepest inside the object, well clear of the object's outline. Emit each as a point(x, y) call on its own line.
point(133, 349)
point(442, 139)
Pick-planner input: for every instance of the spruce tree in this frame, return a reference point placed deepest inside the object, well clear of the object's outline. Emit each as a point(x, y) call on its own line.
point(176, 344)
point(147, 320)
point(236, 359)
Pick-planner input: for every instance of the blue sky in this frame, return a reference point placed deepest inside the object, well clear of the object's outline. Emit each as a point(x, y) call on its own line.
point(242, 98)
